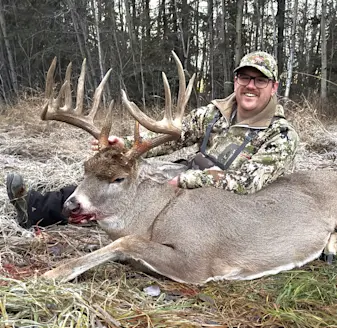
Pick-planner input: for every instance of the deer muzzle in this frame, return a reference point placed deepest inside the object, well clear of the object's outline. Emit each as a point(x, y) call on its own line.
point(71, 207)
point(75, 213)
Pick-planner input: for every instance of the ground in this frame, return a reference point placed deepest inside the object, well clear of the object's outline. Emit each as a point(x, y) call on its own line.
point(50, 156)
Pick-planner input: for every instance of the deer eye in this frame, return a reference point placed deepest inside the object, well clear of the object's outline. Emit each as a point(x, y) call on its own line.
point(118, 180)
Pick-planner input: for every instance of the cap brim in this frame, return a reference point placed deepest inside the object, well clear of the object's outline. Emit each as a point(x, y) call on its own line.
point(263, 70)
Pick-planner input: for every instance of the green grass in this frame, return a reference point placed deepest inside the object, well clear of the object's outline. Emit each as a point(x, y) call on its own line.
point(113, 296)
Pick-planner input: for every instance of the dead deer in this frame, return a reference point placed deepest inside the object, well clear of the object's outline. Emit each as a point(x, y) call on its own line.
point(191, 236)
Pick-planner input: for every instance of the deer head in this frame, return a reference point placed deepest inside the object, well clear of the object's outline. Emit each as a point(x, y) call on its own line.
point(111, 174)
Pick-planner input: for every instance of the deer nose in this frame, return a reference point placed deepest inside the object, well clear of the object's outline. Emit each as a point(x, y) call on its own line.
point(71, 207)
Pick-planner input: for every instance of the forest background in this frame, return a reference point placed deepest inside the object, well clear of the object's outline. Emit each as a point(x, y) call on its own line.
point(135, 39)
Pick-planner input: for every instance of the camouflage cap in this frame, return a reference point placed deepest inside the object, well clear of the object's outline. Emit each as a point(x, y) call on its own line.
point(262, 61)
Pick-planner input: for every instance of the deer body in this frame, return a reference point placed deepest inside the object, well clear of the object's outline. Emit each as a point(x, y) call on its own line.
point(204, 234)
point(191, 236)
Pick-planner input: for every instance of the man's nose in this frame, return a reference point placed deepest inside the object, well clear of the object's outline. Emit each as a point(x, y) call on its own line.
point(251, 84)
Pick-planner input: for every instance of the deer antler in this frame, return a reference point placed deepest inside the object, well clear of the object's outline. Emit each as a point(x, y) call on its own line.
point(52, 110)
point(169, 127)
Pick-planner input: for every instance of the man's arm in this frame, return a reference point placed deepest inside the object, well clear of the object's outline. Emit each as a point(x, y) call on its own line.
point(273, 159)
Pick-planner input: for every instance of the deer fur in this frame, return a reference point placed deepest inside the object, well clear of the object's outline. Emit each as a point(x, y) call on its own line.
point(194, 236)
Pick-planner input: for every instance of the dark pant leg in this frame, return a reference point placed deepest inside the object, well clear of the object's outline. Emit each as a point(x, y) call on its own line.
point(45, 210)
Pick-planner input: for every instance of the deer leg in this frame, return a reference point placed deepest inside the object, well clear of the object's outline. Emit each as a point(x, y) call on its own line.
point(159, 258)
point(330, 249)
point(73, 268)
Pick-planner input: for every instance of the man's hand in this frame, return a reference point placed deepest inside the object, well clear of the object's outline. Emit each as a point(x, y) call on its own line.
point(216, 172)
point(113, 141)
point(174, 182)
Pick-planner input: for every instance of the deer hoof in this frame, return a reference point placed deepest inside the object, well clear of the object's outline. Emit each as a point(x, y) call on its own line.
point(329, 258)
point(52, 274)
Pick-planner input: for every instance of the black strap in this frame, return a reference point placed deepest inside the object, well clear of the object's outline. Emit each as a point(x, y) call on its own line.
point(252, 134)
point(208, 132)
point(249, 137)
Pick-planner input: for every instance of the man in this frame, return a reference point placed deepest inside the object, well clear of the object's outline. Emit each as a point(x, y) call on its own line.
point(245, 143)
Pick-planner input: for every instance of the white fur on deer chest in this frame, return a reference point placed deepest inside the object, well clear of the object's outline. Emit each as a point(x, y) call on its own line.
point(114, 226)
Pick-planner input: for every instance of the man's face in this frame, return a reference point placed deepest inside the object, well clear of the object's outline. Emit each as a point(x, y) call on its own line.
point(250, 99)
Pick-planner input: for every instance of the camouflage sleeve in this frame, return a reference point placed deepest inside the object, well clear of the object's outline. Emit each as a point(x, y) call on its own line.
point(273, 159)
point(193, 130)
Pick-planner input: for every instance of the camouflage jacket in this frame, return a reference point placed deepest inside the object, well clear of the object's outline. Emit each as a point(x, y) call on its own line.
point(265, 158)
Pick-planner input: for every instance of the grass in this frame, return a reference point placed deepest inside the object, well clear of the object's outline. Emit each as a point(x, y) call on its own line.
point(113, 295)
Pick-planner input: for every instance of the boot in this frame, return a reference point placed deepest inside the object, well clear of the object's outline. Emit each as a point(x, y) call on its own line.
point(18, 196)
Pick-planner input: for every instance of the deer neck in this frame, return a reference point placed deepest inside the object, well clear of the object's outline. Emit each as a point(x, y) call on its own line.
point(147, 194)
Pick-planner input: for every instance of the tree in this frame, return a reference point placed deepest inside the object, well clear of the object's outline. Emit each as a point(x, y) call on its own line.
point(280, 16)
point(135, 39)
point(292, 49)
point(9, 51)
point(238, 45)
point(324, 71)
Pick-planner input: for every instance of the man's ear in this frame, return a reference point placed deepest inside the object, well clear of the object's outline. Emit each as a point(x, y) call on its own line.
point(275, 87)
point(235, 83)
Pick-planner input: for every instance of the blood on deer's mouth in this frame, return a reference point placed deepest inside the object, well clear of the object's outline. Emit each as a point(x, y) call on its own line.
point(81, 218)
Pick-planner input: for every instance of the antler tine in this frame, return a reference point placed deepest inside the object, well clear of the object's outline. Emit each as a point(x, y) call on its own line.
point(171, 128)
point(146, 121)
point(184, 93)
point(142, 146)
point(53, 111)
point(182, 80)
point(80, 89)
point(98, 95)
point(68, 103)
point(185, 99)
point(103, 140)
point(167, 125)
point(50, 79)
point(168, 99)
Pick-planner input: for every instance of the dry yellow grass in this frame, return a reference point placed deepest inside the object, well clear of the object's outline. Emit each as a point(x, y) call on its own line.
point(112, 295)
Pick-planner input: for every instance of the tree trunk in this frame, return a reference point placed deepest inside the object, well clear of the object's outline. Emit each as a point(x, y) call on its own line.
point(13, 74)
point(211, 45)
point(292, 49)
point(133, 44)
point(238, 43)
point(302, 54)
point(196, 25)
point(257, 24)
point(332, 41)
point(147, 20)
point(96, 7)
point(274, 18)
point(324, 70)
point(183, 35)
point(262, 37)
point(280, 34)
point(81, 44)
point(115, 46)
point(312, 63)
point(227, 77)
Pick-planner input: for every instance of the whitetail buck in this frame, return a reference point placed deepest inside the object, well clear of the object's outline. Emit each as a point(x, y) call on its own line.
point(191, 236)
